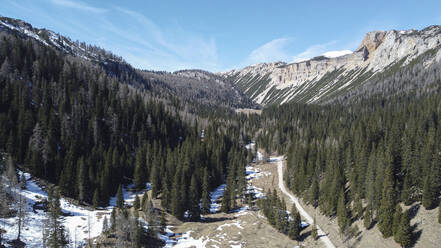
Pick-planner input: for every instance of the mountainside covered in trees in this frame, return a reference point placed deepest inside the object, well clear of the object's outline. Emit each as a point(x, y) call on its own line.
point(193, 86)
point(323, 79)
point(76, 124)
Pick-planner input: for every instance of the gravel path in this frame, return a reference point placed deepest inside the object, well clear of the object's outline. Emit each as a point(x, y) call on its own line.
point(322, 236)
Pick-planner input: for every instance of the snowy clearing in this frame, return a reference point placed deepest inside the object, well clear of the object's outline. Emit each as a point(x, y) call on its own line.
point(78, 220)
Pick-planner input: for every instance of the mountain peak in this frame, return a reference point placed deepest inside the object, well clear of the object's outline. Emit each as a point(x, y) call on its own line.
point(372, 40)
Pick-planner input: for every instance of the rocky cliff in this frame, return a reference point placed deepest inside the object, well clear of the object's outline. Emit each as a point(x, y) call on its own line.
point(320, 78)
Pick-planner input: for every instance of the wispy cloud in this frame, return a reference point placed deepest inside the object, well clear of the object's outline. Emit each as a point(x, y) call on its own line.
point(313, 51)
point(78, 5)
point(174, 47)
point(275, 50)
point(281, 50)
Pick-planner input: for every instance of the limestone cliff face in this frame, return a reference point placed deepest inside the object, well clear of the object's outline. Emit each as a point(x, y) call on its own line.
point(312, 80)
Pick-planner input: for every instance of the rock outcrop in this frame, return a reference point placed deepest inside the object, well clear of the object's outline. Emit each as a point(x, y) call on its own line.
point(314, 80)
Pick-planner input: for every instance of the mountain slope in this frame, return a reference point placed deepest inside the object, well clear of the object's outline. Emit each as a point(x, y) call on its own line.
point(323, 78)
point(190, 85)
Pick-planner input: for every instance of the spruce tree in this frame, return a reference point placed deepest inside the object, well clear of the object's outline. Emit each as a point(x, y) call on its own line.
point(155, 178)
point(206, 201)
point(119, 198)
point(82, 183)
point(397, 221)
point(226, 204)
point(163, 222)
point(343, 213)
point(145, 197)
point(314, 192)
point(404, 232)
point(194, 210)
point(387, 206)
point(428, 194)
point(367, 218)
point(136, 203)
point(96, 198)
point(295, 224)
point(56, 233)
point(139, 177)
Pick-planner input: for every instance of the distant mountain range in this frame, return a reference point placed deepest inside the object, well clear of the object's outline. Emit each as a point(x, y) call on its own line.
point(326, 78)
point(334, 76)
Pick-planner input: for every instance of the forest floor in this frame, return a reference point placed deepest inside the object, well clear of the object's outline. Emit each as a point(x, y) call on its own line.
point(427, 231)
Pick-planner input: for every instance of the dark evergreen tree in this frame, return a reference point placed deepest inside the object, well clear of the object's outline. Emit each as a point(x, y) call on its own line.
point(195, 210)
point(206, 201)
point(344, 220)
point(404, 233)
point(396, 221)
point(136, 203)
point(386, 212)
point(428, 193)
point(295, 224)
point(119, 198)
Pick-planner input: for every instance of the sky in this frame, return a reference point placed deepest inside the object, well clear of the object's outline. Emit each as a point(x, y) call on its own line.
point(221, 35)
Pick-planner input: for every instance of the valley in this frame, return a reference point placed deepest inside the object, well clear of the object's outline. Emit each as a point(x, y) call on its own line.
point(328, 149)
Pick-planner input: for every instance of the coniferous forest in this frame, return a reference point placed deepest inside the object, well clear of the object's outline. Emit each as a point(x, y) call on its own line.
point(68, 122)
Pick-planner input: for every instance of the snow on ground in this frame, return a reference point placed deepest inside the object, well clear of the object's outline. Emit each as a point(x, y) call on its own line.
point(250, 145)
point(77, 222)
point(215, 195)
point(234, 223)
point(253, 173)
point(187, 241)
point(259, 156)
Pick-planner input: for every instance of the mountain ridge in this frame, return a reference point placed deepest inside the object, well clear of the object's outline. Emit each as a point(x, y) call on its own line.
point(310, 81)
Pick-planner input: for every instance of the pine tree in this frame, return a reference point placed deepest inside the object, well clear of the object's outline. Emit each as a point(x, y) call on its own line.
point(155, 178)
point(226, 203)
point(119, 198)
point(82, 183)
point(367, 218)
point(136, 203)
point(194, 210)
point(139, 177)
point(205, 193)
point(144, 199)
point(343, 213)
point(295, 224)
point(56, 232)
point(387, 205)
point(96, 198)
point(428, 194)
point(314, 192)
point(404, 232)
point(397, 221)
point(163, 222)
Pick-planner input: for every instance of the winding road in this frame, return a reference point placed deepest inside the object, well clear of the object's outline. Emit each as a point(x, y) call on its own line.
point(322, 236)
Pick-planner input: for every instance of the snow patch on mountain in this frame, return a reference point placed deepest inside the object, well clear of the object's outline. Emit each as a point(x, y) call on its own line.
point(335, 54)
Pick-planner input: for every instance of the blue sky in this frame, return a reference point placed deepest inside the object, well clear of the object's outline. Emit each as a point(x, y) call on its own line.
point(220, 35)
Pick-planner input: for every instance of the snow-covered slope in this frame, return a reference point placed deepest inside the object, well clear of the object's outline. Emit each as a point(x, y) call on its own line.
point(333, 73)
point(81, 223)
point(52, 39)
